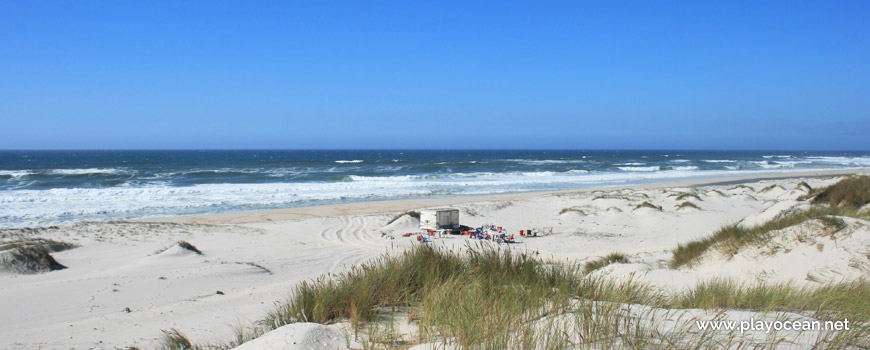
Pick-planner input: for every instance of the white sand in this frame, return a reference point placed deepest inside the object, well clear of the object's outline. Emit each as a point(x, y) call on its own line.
point(255, 258)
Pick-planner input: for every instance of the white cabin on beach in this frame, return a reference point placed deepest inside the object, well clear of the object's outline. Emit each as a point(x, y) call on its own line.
point(438, 218)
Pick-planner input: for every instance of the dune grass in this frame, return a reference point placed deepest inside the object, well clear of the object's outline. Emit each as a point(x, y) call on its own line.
point(805, 186)
point(449, 294)
point(684, 195)
point(845, 198)
point(30, 256)
point(731, 238)
point(175, 340)
point(577, 210)
point(687, 204)
point(190, 247)
point(29, 259)
point(412, 213)
point(742, 186)
point(183, 245)
point(491, 298)
point(48, 244)
point(611, 258)
point(646, 204)
point(625, 197)
point(830, 302)
point(770, 188)
point(719, 192)
point(851, 192)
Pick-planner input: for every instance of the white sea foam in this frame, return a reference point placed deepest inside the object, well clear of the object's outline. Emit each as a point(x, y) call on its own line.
point(639, 168)
point(719, 161)
point(845, 161)
point(15, 173)
point(630, 164)
point(349, 161)
point(685, 168)
point(546, 161)
point(89, 171)
point(780, 164)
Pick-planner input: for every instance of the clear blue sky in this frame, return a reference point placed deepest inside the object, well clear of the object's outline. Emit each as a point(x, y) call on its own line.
point(464, 74)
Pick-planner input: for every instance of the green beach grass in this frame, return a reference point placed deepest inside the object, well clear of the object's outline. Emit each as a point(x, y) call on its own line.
point(844, 198)
point(491, 298)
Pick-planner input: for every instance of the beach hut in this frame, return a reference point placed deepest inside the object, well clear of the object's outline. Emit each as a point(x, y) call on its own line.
point(439, 218)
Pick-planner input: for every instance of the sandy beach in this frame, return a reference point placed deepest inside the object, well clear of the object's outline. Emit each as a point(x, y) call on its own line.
point(127, 281)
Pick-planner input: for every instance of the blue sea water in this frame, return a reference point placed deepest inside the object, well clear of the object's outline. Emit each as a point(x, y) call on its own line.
point(39, 188)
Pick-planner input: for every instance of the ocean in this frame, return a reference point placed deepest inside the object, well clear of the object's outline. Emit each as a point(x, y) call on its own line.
point(42, 188)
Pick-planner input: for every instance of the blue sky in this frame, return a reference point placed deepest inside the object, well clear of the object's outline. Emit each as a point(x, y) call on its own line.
point(404, 74)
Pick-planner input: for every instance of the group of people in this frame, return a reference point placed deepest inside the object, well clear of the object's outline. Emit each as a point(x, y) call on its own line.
point(499, 236)
point(491, 232)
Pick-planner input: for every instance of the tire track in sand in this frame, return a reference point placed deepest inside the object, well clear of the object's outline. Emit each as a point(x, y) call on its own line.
point(352, 241)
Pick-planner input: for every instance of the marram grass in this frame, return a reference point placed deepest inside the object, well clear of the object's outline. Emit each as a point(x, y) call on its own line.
point(612, 258)
point(731, 238)
point(490, 298)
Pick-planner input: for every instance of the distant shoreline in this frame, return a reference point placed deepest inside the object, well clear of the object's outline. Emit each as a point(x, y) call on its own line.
point(400, 205)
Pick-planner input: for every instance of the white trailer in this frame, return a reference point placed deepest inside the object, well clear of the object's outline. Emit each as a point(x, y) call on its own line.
point(439, 218)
